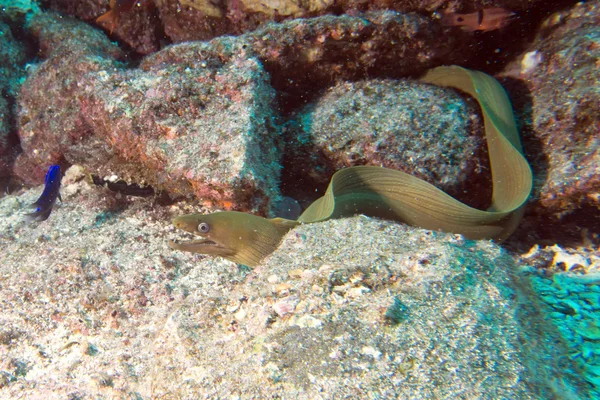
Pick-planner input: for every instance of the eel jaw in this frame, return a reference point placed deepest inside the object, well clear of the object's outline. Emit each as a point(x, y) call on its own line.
point(201, 246)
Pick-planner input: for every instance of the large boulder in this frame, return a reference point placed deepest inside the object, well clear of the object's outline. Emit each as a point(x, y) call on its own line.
point(554, 85)
point(430, 132)
point(150, 22)
point(96, 304)
point(162, 124)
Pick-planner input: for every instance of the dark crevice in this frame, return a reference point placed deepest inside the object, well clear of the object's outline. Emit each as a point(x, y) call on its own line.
point(132, 189)
point(495, 49)
point(571, 230)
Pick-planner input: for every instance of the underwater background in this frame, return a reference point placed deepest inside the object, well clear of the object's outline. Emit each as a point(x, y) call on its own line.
point(118, 116)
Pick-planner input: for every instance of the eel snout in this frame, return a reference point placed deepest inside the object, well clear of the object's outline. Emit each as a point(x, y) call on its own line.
point(189, 240)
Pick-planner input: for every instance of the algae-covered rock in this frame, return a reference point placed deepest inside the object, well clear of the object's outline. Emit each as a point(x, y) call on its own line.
point(12, 62)
point(557, 98)
point(423, 130)
point(96, 304)
point(203, 128)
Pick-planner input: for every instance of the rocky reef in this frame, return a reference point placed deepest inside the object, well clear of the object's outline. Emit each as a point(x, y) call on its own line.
point(154, 21)
point(252, 106)
point(357, 306)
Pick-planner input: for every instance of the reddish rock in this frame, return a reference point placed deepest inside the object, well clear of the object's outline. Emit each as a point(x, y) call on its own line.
point(190, 20)
point(305, 55)
point(423, 130)
point(49, 118)
point(186, 20)
point(558, 102)
point(138, 28)
point(203, 129)
point(12, 59)
point(197, 118)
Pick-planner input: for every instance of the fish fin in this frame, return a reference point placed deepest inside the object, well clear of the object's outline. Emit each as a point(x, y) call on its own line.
point(449, 19)
point(60, 198)
point(108, 20)
point(38, 216)
point(469, 28)
point(283, 225)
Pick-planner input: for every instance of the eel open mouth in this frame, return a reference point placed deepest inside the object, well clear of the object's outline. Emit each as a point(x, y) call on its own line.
point(186, 241)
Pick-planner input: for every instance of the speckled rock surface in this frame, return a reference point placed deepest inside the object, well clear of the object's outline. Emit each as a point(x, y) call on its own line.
point(144, 27)
point(304, 56)
point(558, 103)
point(12, 60)
point(162, 124)
point(423, 130)
point(48, 103)
point(568, 282)
point(95, 304)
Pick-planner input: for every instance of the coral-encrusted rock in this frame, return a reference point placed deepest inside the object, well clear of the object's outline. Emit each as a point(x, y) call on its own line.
point(196, 118)
point(561, 73)
point(12, 58)
point(305, 55)
point(95, 305)
point(184, 20)
point(203, 128)
point(424, 130)
point(49, 102)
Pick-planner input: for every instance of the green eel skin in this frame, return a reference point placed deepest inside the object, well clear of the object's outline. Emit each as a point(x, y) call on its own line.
point(390, 194)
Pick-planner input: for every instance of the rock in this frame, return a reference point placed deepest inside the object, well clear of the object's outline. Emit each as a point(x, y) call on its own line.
point(558, 103)
point(305, 55)
point(12, 61)
point(188, 20)
point(161, 124)
point(423, 130)
point(101, 307)
point(46, 127)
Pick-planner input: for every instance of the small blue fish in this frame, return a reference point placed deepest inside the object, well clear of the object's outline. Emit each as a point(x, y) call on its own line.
point(46, 201)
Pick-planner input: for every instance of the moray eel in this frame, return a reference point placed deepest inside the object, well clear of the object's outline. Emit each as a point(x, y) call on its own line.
point(391, 194)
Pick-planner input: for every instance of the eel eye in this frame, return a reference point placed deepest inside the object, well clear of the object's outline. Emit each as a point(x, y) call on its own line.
point(203, 227)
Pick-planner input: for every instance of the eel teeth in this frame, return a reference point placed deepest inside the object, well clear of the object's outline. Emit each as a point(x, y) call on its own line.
point(182, 236)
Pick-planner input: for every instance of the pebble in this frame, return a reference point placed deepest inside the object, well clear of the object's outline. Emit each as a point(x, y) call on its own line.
point(557, 315)
point(283, 289)
point(370, 351)
point(306, 321)
point(295, 273)
point(285, 306)
point(357, 292)
point(240, 315)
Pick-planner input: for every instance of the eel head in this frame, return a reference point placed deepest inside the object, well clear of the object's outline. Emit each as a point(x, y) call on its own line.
point(236, 236)
point(213, 237)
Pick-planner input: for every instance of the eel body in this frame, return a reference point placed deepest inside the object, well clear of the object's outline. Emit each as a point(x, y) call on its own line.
point(390, 194)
